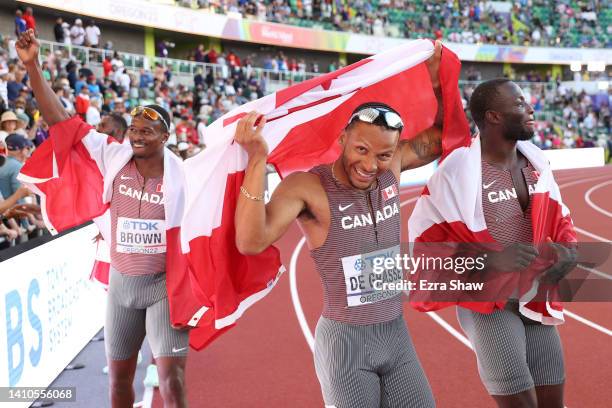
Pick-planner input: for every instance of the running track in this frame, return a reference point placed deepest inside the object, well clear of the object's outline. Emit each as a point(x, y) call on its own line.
point(266, 360)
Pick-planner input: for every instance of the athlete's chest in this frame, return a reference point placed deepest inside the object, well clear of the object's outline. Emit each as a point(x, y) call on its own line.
point(507, 193)
point(136, 196)
point(370, 210)
point(364, 216)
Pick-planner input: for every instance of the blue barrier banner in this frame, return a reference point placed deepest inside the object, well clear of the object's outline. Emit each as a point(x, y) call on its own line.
point(49, 309)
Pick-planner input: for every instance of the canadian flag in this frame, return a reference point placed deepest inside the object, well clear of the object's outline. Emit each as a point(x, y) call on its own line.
point(211, 287)
point(73, 173)
point(390, 192)
point(303, 125)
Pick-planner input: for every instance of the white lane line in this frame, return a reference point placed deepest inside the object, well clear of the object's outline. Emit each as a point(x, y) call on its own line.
point(295, 296)
point(585, 232)
point(595, 272)
point(588, 322)
point(573, 183)
point(412, 200)
point(587, 198)
point(454, 332)
point(591, 235)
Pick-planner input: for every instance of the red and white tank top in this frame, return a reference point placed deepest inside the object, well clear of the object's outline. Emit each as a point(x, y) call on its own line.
point(504, 216)
point(138, 227)
point(365, 226)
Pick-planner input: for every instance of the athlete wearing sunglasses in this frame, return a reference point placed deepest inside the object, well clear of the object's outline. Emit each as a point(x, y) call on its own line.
point(348, 211)
point(137, 294)
point(148, 134)
point(372, 114)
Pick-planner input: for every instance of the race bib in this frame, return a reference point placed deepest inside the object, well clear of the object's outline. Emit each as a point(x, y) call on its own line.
point(138, 236)
point(363, 284)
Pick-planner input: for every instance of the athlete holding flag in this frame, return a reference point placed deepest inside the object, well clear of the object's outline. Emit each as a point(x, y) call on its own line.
point(98, 173)
point(348, 211)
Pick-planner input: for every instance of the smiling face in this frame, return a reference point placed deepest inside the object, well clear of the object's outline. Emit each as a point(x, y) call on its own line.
point(517, 114)
point(147, 137)
point(368, 151)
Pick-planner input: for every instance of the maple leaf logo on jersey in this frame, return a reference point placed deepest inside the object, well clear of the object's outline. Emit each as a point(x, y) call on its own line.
point(390, 192)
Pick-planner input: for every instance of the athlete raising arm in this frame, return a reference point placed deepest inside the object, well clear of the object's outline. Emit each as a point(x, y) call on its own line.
point(348, 209)
point(137, 295)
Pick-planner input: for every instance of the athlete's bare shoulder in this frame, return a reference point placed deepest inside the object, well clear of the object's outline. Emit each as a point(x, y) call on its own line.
point(315, 216)
point(307, 187)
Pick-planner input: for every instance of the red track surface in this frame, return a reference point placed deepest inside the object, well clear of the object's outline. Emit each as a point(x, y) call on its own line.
point(265, 360)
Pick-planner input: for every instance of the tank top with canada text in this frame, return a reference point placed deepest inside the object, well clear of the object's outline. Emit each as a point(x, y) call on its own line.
point(364, 230)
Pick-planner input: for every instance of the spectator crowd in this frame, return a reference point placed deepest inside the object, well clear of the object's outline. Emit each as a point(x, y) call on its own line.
point(565, 23)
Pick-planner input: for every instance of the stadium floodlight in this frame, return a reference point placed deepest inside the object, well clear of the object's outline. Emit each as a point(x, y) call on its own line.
point(576, 66)
point(596, 66)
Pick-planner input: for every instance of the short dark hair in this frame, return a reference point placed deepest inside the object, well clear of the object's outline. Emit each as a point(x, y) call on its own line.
point(482, 98)
point(380, 120)
point(119, 123)
point(164, 113)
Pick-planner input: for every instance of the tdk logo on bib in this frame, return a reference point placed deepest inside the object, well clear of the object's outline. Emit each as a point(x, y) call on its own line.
point(137, 236)
point(141, 225)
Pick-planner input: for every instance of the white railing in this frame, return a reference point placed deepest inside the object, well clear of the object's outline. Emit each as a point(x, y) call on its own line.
point(183, 71)
point(93, 57)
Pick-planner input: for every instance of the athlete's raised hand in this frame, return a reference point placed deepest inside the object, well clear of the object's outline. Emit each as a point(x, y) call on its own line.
point(52, 110)
point(27, 47)
point(248, 135)
point(433, 64)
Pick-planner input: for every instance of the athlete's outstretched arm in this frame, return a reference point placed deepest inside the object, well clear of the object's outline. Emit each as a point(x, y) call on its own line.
point(51, 108)
point(427, 145)
point(258, 225)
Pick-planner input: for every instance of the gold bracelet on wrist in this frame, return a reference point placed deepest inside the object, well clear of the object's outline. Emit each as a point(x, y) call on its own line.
point(245, 193)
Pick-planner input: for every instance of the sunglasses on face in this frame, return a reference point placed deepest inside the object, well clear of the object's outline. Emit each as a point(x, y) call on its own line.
point(370, 114)
point(150, 114)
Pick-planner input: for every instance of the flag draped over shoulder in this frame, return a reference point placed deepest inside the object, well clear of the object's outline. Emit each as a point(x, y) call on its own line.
point(450, 211)
point(303, 124)
point(73, 173)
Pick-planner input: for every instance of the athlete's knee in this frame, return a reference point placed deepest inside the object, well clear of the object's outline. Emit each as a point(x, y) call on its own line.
point(172, 388)
point(120, 391)
point(120, 387)
point(525, 399)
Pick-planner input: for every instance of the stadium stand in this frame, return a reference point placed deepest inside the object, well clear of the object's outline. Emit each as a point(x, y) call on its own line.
point(530, 23)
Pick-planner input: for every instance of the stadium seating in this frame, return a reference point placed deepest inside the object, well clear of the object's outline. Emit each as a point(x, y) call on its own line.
point(557, 22)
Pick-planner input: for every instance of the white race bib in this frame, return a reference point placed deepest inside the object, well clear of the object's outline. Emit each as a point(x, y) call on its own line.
point(360, 278)
point(138, 236)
